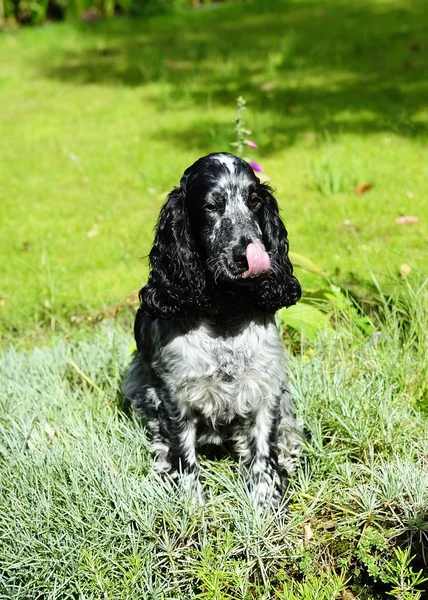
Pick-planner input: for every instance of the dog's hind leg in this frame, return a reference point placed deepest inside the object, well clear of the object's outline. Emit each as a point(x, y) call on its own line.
point(172, 433)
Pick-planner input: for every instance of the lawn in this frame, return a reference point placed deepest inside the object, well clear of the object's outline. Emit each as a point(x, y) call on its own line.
point(97, 123)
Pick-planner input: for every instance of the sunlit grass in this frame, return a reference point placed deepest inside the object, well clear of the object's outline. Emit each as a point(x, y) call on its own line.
point(83, 516)
point(99, 121)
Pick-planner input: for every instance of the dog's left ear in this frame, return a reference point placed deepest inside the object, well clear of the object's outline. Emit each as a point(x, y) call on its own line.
point(280, 287)
point(176, 285)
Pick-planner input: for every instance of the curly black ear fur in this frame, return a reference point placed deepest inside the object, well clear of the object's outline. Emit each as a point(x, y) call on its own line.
point(280, 287)
point(176, 282)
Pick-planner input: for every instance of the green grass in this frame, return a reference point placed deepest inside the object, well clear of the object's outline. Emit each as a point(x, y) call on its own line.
point(99, 121)
point(83, 516)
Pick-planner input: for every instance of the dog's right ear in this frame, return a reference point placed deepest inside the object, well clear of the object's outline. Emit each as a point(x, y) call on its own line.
point(176, 282)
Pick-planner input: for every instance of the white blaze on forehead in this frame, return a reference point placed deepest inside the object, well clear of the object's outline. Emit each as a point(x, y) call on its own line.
point(235, 206)
point(233, 186)
point(227, 161)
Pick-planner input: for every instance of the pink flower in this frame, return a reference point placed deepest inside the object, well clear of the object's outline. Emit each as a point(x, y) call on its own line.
point(255, 166)
point(251, 144)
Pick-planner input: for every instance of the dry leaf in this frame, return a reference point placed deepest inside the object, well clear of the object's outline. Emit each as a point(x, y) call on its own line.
point(268, 86)
point(348, 595)
point(50, 431)
point(407, 219)
point(93, 232)
point(309, 135)
point(363, 188)
point(405, 270)
point(91, 15)
point(308, 534)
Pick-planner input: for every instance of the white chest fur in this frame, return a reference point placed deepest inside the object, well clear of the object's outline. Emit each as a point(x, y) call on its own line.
point(223, 377)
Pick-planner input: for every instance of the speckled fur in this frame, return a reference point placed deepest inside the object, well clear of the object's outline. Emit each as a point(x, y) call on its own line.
point(217, 375)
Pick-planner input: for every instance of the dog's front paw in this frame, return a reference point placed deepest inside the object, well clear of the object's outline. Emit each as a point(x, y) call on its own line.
point(266, 490)
point(191, 487)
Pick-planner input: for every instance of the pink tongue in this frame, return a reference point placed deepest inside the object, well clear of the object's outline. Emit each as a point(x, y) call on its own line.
point(258, 261)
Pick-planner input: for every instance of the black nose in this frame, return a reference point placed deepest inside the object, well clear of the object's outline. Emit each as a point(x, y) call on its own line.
point(238, 253)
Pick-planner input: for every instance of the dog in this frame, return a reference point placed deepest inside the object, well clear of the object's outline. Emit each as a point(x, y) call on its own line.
point(210, 365)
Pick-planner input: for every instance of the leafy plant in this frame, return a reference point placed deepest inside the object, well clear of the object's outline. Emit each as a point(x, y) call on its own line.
point(330, 176)
point(332, 173)
point(371, 551)
point(306, 319)
point(325, 586)
point(242, 134)
point(401, 575)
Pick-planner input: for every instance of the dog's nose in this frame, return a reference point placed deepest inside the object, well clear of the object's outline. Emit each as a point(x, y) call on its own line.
point(238, 252)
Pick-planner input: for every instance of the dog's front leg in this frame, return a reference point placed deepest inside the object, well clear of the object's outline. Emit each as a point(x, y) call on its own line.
point(257, 446)
point(173, 440)
point(182, 458)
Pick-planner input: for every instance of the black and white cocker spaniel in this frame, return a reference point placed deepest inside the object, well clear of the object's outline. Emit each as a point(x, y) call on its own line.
point(210, 366)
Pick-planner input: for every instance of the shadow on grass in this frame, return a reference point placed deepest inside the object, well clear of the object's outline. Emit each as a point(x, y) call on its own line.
point(313, 66)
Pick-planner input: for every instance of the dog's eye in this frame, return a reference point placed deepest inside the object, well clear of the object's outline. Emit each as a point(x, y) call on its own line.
point(211, 207)
point(253, 203)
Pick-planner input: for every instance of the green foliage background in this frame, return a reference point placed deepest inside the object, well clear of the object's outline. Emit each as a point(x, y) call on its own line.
point(99, 120)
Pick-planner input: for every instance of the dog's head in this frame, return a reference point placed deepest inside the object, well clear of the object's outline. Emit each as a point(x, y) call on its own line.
point(220, 228)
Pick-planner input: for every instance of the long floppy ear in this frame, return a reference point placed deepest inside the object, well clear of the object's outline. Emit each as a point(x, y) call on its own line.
point(176, 281)
point(280, 287)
